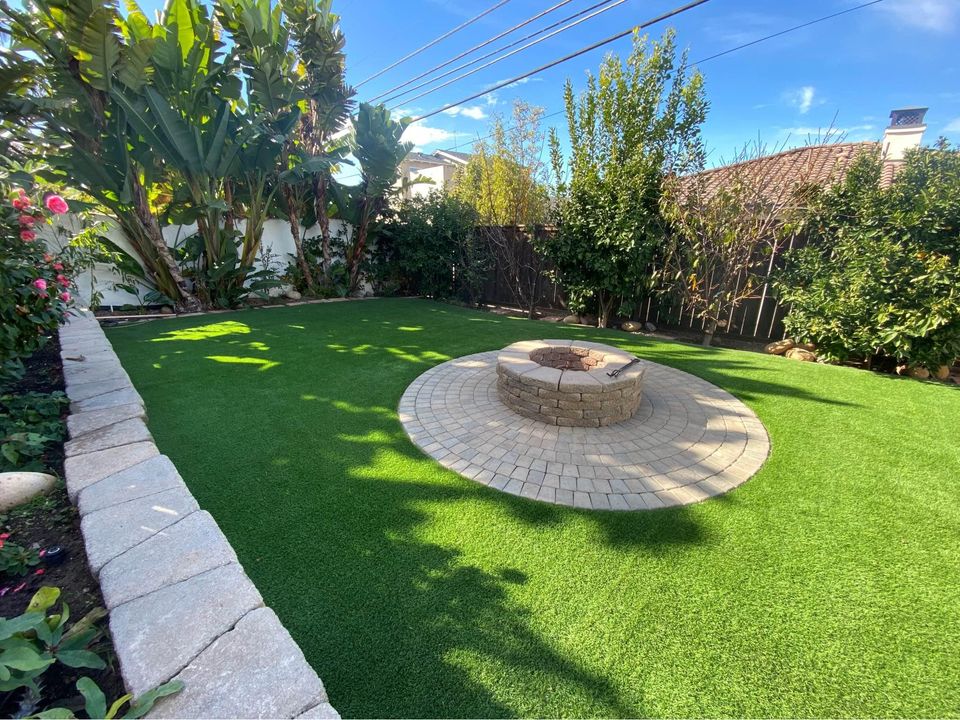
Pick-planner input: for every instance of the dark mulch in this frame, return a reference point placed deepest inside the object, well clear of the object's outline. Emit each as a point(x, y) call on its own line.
point(43, 523)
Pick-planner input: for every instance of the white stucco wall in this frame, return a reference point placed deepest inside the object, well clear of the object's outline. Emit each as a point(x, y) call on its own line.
point(103, 278)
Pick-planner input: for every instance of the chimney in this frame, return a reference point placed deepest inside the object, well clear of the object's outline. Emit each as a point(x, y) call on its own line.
point(904, 133)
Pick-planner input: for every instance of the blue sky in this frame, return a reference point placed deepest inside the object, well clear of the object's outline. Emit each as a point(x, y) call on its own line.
point(848, 72)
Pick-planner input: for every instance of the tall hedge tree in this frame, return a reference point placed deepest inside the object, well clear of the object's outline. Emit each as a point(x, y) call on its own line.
point(637, 122)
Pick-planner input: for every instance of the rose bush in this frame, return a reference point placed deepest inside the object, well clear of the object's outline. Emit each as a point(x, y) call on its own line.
point(35, 286)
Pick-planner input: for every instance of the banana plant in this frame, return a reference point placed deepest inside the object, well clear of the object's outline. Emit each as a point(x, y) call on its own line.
point(322, 143)
point(376, 144)
point(78, 54)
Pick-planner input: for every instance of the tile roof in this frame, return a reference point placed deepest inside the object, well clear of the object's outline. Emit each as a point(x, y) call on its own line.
point(816, 164)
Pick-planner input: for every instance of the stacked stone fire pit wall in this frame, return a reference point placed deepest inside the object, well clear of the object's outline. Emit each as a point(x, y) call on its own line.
point(568, 383)
point(181, 606)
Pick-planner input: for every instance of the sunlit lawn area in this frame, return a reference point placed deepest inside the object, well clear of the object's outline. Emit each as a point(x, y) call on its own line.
point(827, 585)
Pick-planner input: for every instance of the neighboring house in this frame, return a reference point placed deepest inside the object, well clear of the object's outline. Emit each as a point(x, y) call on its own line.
point(828, 163)
point(440, 167)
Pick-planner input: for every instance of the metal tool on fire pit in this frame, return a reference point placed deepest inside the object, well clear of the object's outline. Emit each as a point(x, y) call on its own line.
point(619, 370)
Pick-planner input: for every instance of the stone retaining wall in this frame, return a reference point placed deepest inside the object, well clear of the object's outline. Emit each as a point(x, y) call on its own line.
point(180, 604)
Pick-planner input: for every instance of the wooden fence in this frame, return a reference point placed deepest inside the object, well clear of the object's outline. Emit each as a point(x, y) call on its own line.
point(759, 317)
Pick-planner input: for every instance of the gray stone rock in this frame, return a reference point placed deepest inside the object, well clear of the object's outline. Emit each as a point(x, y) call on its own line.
point(166, 310)
point(17, 488)
point(79, 424)
point(122, 433)
point(649, 327)
point(85, 470)
point(571, 320)
point(114, 530)
point(145, 478)
point(79, 392)
point(323, 711)
point(111, 399)
point(190, 547)
point(254, 671)
point(157, 635)
point(292, 295)
point(81, 374)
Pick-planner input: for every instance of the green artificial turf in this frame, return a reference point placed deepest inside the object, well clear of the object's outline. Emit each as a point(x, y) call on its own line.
point(827, 585)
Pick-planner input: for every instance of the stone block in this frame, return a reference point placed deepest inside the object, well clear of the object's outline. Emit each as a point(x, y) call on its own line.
point(561, 412)
point(87, 390)
point(125, 432)
point(123, 396)
point(114, 530)
point(578, 422)
point(157, 635)
point(145, 478)
point(579, 381)
point(80, 424)
point(85, 470)
point(254, 671)
point(514, 366)
point(543, 377)
point(190, 547)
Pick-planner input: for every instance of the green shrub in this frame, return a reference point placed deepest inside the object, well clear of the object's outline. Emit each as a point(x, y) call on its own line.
point(34, 286)
point(880, 276)
point(29, 424)
point(431, 247)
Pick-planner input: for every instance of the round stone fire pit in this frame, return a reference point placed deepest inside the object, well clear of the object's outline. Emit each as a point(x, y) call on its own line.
point(567, 382)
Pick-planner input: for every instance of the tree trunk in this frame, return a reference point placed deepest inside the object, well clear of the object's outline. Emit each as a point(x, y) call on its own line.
point(320, 210)
point(356, 254)
point(605, 306)
point(709, 329)
point(297, 239)
point(187, 300)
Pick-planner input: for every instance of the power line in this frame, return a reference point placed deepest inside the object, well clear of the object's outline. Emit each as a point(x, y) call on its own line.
point(565, 58)
point(432, 90)
point(789, 30)
point(741, 47)
point(483, 45)
point(433, 42)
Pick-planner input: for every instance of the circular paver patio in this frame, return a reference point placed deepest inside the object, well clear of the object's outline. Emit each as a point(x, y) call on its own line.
point(689, 440)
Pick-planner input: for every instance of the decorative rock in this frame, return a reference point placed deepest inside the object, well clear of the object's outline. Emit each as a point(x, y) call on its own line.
point(780, 347)
point(146, 478)
point(631, 327)
point(190, 547)
point(942, 373)
point(292, 295)
point(166, 310)
point(80, 424)
point(254, 671)
point(919, 373)
point(114, 530)
point(84, 470)
point(198, 610)
point(571, 320)
point(17, 488)
point(801, 355)
point(122, 433)
point(812, 347)
point(649, 327)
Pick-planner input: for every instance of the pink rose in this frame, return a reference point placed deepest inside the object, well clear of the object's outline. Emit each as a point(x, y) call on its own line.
point(28, 235)
point(18, 203)
point(65, 296)
point(56, 266)
point(63, 280)
point(27, 220)
point(56, 204)
point(47, 257)
point(40, 284)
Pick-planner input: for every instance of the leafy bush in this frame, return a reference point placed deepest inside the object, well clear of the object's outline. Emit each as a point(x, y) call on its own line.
point(29, 424)
point(431, 247)
point(16, 559)
point(880, 276)
point(35, 641)
point(34, 286)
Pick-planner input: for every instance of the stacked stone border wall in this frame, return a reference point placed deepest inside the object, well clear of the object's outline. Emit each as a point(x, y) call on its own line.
point(181, 606)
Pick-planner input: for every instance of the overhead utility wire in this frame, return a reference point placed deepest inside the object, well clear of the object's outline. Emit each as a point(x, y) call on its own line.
point(565, 58)
point(483, 45)
point(433, 42)
point(475, 70)
point(741, 47)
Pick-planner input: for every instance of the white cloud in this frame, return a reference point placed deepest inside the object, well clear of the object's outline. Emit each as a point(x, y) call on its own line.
point(475, 112)
point(516, 83)
point(423, 135)
point(935, 15)
point(953, 126)
point(802, 99)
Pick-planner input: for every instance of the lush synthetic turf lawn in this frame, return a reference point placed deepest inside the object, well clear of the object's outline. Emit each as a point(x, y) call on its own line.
point(827, 585)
